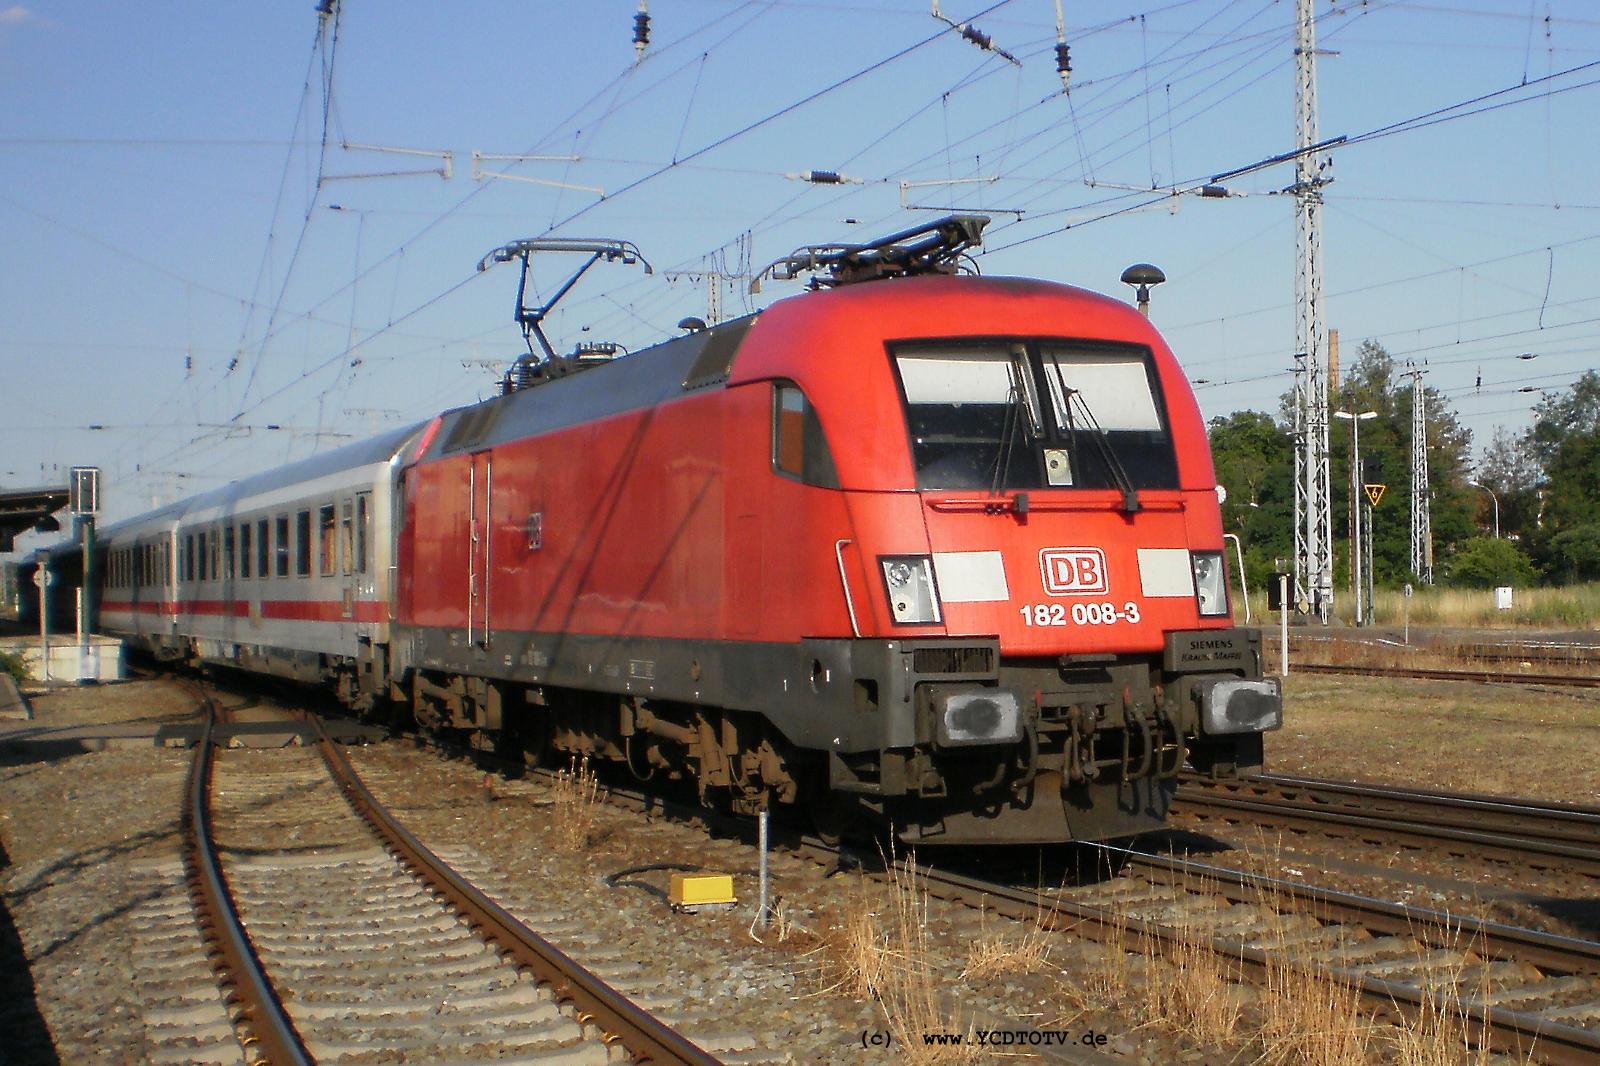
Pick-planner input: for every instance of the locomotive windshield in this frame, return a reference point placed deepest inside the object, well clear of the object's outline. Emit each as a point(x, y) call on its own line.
point(1003, 415)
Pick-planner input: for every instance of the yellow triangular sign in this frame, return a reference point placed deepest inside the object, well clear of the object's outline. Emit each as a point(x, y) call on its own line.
point(1375, 493)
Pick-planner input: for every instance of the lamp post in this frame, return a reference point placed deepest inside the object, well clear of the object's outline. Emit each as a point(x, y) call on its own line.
point(1356, 487)
point(1143, 276)
point(1494, 500)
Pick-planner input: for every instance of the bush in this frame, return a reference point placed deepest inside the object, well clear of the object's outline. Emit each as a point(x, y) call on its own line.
point(1485, 562)
point(13, 664)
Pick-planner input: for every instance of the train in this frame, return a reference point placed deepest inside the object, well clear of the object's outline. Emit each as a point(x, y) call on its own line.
point(915, 549)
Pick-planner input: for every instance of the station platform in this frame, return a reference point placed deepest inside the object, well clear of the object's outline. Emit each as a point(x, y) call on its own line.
point(97, 658)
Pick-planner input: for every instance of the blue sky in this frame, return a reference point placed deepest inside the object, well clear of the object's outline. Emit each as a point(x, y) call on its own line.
point(177, 275)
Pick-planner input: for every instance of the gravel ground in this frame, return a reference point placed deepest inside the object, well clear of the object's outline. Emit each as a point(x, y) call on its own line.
point(745, 991)
point(73, 886)
point(75, 833)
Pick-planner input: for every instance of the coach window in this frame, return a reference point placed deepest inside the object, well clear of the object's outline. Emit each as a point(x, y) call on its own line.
point(215, 540)
point(363, 521)
point(327, 538)
point(281, 545)
point(244, 550)
point(799, 449)
point(202, 543)
point(229, 554)
point(347, 536)
point(302, 544)
point(166, 562)
point(188, 556)
point(263, 549)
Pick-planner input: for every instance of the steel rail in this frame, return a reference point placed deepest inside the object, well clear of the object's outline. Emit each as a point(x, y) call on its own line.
point(1550, 952)
point(1513, 816)
point(1386, 829)
point(253, 1002)
point(1491, 677)
point(1505, 1030)
point(1570, 654)
point(643, 1036)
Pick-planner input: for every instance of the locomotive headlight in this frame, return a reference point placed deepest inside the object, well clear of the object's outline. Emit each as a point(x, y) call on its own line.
point(908, 580)
point(1210, 584)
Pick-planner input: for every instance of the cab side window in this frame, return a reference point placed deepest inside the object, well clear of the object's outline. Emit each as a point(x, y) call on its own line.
point(799, 449)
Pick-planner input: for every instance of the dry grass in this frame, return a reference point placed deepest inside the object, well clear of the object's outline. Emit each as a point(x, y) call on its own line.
point(1313, 1019)
point(1460, 736)
point(1440, 1033)
point(1200, 993)
point(1558, 607)
point(880, 949)
point(575, 804)
point(1104, 981)
point(1001, 954)
point(853, 953)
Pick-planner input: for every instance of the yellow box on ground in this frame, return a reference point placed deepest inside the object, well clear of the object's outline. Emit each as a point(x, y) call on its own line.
point(700, 890)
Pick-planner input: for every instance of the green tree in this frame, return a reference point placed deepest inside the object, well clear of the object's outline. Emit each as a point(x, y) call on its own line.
point(1374, 383)
point(1510, 469)
point(1486, 562)
point(1254, 459)
point(1565, 443)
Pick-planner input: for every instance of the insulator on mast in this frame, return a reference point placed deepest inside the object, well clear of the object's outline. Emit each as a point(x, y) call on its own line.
point(1064, 63)
point(641, 30)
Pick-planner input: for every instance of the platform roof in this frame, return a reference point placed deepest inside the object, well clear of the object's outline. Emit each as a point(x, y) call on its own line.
point(21, 510)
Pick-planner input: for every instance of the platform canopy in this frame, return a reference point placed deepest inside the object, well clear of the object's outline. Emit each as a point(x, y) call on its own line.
point(22, 509)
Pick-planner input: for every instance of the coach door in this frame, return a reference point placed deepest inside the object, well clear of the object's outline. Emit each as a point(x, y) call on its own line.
point(479, 556)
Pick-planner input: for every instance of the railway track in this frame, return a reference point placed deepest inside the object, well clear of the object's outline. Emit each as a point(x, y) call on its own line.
point(1517, 834)
point(334, 932)
point(1565, 653)
point(1517, 990)
point(1492, 677)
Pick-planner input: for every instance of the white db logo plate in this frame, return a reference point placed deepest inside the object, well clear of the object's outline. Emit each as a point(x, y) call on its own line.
point(1073, 571)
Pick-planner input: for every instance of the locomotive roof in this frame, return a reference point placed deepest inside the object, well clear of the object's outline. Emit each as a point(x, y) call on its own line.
point(648, 377)
point(667, 370)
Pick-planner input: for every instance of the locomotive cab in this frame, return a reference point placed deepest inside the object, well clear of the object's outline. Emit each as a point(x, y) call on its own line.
point(1031, 557)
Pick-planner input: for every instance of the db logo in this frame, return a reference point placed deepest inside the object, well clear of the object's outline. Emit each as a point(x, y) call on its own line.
point(1073, 571)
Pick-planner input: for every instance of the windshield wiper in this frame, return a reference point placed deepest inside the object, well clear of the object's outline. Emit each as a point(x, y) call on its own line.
point(1119, 473)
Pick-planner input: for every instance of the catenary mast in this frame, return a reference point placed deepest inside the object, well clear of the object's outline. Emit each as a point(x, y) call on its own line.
point(1313, 537)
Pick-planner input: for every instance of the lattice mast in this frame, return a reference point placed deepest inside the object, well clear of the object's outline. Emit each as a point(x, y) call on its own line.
point(1421, 515)
point(1313, 539)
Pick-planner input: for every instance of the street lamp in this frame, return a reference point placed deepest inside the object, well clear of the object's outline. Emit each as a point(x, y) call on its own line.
point(1356, 487)
point(1143, 275)
point(1493, 499)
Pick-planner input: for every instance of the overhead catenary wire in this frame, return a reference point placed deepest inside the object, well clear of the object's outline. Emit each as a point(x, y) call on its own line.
point(626, 307)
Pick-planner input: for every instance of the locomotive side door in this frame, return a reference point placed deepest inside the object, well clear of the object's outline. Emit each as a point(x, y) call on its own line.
point(480, 489)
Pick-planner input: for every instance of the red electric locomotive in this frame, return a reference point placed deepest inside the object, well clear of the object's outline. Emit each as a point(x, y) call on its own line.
point(939, 550)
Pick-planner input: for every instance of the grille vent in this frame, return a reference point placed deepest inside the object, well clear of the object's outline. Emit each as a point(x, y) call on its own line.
point(953, 660)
